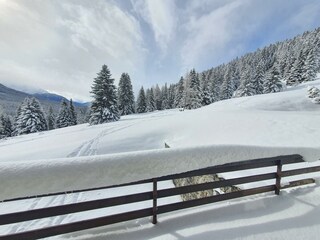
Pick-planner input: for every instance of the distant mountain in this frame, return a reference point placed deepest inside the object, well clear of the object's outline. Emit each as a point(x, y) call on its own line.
point(10, 99)
point(51, 97)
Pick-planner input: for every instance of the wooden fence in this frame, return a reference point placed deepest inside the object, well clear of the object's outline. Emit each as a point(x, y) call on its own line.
point(156, 194)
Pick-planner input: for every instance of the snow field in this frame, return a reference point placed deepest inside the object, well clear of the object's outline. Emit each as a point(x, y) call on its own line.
point(132, 149)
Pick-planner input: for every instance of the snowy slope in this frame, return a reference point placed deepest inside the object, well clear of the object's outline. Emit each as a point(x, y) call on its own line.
point(264, 120)
point(231, 130)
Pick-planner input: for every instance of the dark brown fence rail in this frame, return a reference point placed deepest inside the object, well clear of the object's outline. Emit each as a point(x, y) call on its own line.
point(154, 194)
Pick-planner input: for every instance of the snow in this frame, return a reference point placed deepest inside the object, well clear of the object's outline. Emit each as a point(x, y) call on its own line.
point(18, 179)
point(292, 215)
point(131, 149)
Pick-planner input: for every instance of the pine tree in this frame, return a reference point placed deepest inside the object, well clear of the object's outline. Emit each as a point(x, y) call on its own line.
point(246, 88)
point(205, 91)
point(73, 114)
point(227, 87)
point(272, 81)
point(5, 126)
point(258, 78)
point(179, 93)
point(16, 120)
point(64, 116)
point(125, 95)
point(104, 107)
point(141, 102)
point(51, 119)
point(193, 96)
point(151, 104)
point(165, 97)
point(171, 95)
point(295, 76)
point(31, 118)
point(158, 97)
point(309, 70)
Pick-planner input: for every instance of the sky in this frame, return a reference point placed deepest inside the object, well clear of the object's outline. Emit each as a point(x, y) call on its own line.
point(60, 46)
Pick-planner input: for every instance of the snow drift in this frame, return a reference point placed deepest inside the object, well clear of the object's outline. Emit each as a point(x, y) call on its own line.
point(27, 178)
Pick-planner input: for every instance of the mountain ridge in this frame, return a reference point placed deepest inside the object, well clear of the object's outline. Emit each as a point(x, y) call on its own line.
point(11, 98)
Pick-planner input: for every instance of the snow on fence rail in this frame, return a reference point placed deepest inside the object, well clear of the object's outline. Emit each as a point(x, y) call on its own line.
point(28, 178)
point(154, 194)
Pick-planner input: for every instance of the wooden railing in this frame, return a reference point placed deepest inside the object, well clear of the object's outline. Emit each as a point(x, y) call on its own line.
point(155, 194)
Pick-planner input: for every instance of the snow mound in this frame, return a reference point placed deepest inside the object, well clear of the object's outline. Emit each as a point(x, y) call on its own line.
point(18, 179)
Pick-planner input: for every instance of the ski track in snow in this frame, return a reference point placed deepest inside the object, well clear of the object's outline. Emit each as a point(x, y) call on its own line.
point(86, 149)
point(89, 148)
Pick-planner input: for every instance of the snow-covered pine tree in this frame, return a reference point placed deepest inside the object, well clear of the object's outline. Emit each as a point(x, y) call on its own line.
point(5, 126)
point(165, 97)
point(309, 69)
point(73, 114)
point(193, 96)
point(125, 95)
point(178, 100)
point(272, 82)
point(158, 97)
point(31, 118)
point(227, 87)
point(51, 119)
point(64, 116)
point(104, 107)
point(258, 78)
point(16, 120)
point(151, 103)
point(206, 94)
point(141, 102)
point(247, 87)
point(171, 95)
point(3, 132)
point(295, 76)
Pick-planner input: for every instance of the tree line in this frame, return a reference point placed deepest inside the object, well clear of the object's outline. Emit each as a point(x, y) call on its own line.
point(267, 70)
point(31, 118)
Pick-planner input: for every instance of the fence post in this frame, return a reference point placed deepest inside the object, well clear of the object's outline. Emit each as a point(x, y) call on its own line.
point(155, 196)
point(278, 177)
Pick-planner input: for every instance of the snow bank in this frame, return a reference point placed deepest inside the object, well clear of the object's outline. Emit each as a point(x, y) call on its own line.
point(18, 179)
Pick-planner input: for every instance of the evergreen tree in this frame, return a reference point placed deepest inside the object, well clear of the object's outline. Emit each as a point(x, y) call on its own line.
point(141, 102)
point(125, 95)
point(178, 100)
point(246, 88)
point(171, 96)
point(296, 71)
point(151, 104)
point(227, 87)
point(165, 97)
point(5, 126)
point(15, 121)
point(272, 81)
point(31, 118)
point(51, 119)
point(314, 94)
point(193, 96)
point(205, 91)
point(258, 78)
point(73, 114)
point(158, 97)
point(104, 107)
point(64, 116)
point(309, 70)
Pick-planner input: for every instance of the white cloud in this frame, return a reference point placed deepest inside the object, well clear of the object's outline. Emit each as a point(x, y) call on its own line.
point(208, 34)
point(162, 17)
point(60, 46)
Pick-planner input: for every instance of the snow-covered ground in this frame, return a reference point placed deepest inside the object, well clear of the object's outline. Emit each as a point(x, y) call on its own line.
point(231, 130)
